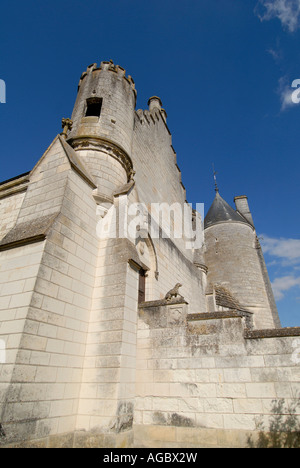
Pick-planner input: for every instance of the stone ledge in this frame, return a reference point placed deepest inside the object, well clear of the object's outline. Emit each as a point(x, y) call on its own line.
point(77, 439)
point(162, 303)
point(272, 333)
point(15, 185)
point(95, 143)
point(155, 436)
point(28, 232)
point(218, 315)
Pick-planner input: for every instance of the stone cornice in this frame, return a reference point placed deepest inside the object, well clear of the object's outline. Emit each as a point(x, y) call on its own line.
point(217, 315)
point(201, 267)
point(230, 222)
point(86, 142)
point(34, 230)
point(272, 333)
point(162, 303)
point(15, 185)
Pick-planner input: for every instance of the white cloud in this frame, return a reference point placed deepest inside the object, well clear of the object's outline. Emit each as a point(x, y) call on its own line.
point(287, 11)
point(284, 284)
point(275, 53)
point(285, 92)
point(283, 248)
point(287, 253)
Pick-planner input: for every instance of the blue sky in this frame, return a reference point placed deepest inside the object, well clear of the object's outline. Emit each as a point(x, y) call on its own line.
point(223, 69)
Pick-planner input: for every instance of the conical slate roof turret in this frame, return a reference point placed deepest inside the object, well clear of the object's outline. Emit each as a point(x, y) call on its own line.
point(220, 212)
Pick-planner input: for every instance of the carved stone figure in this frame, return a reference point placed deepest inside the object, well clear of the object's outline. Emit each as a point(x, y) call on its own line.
point(173, 292)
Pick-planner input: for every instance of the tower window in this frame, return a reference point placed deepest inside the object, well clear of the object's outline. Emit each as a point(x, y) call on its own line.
point(93, 107)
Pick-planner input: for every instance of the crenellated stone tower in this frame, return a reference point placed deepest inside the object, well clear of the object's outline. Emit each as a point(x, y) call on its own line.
point(103, 123)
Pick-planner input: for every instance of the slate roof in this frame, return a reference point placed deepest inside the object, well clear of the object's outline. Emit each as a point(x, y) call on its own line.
point(220, 212)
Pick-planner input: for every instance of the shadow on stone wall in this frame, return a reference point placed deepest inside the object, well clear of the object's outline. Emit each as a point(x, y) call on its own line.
point(284, 427)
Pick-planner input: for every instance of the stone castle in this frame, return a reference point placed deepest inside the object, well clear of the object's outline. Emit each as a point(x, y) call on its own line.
point(131, 340)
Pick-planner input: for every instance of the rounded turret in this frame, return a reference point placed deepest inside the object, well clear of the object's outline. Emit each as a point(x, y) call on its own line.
point(155, 104)
point(234, 260)
point(102, 124)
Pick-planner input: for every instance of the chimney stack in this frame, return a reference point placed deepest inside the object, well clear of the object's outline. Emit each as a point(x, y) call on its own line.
point(242, 207)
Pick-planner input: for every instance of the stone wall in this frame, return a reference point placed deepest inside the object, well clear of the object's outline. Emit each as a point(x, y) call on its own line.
point(203, 379)
point(158, 178)
point(108, 378)
point(9, 210)
point(46, 290)
point(18, 271)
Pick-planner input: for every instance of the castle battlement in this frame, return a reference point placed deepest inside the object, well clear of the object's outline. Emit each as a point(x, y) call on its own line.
point(108, 66)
